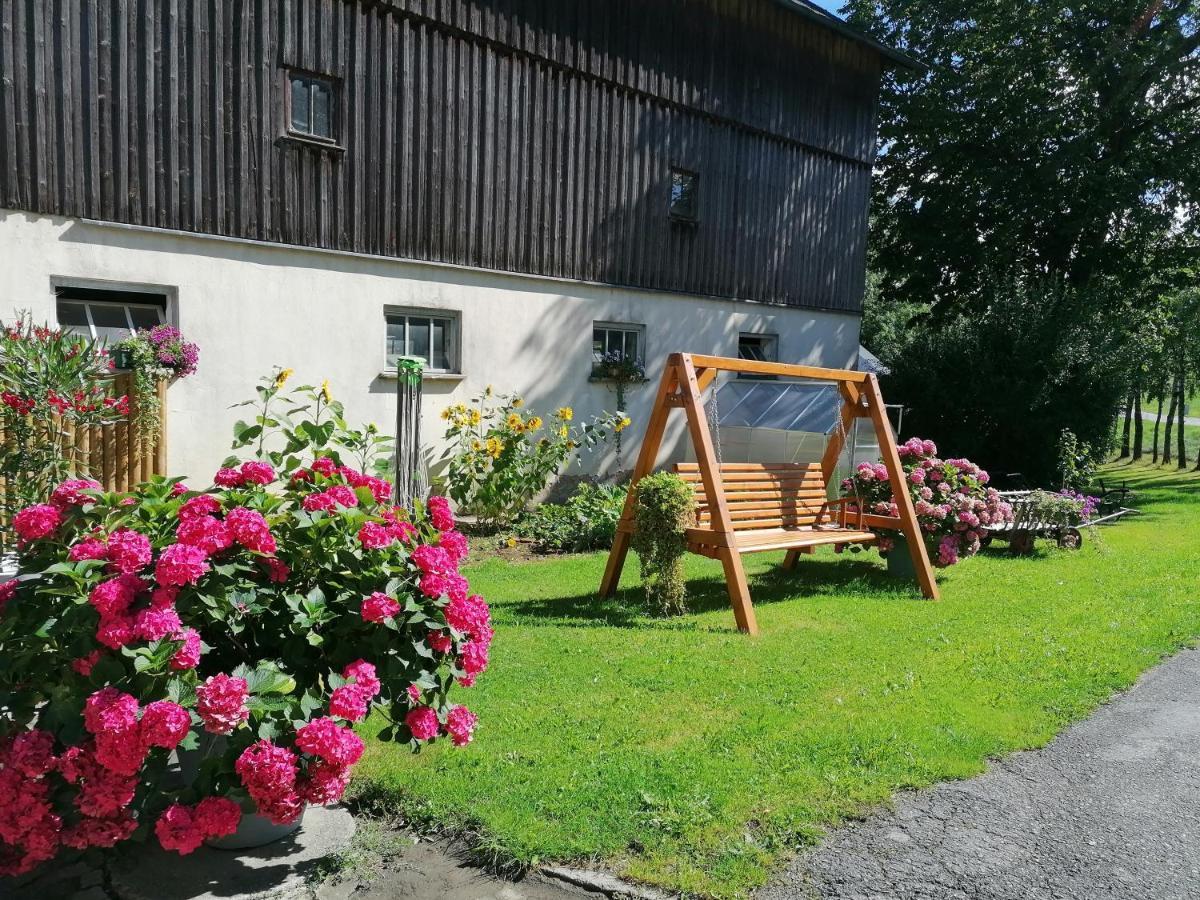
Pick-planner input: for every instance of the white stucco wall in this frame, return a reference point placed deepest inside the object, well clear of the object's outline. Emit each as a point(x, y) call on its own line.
point(253, 306)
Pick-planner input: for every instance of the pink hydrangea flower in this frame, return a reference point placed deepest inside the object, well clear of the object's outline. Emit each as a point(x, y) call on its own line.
point(176, 830)
point(349, 702)
point(157, 622)
point(432, 560)
point(255, 472)
point(434, 584)
point(364, 676)
point(414, 693)
point(164, 724)
point(250, 529)
point(116, 631)
point(115, 596)
point(468, 615)
point(440, 641)
point(455, 544)
point(31, 753)
point(374, 536)
point(277, 570)
point(102, 832)
point(330, 741)
point(381, 490)
point(221, 703)
point(323, 465)
point(324, 783)
point(473, 659)
point(180, 564)
point(202, 505)
point(217, 817)
point(227, 478)
point(71, 493)
point(8, 590)
point(423, 723)
point(439, 513)
point(378, 607)
point(36, 522)
point(205, 532)
point(110, 710)
point(84, 664)
point(88, 548)
point(128, 551)
point(460, 725)
point(187, 656)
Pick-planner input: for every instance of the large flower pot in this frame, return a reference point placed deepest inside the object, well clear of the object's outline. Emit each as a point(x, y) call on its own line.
point(254, 830)
point(899, 560)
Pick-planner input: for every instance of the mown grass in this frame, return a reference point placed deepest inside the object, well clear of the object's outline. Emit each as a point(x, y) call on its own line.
point(686, 755)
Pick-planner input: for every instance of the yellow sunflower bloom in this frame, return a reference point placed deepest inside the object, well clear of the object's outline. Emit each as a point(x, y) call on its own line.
point(534, 423)
point(282, 377)
point(563, 431)
point(566, 413)
point(475, 417)
point(494, 447)
point(518, 403)
point(514, 421)
point(623, 424)
point(325, 392)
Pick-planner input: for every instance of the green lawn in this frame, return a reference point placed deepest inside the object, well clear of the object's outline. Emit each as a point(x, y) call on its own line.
point(687, 755)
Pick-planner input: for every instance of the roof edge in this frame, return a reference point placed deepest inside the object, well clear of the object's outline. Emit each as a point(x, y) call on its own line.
point(819, 16)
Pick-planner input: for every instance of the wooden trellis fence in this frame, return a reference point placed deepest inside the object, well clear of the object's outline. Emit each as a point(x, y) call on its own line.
point(114, 454)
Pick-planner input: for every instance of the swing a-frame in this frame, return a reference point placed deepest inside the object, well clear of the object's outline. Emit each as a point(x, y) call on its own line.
point(759, 507)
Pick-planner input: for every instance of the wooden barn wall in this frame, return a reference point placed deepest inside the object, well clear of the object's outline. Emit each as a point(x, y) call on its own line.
point(524, 135)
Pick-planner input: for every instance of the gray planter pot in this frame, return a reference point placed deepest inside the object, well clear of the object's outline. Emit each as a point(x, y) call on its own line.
point(254, 830)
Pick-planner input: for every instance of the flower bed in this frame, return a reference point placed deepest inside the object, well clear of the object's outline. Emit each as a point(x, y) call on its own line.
point(272, 611)
point(953, 503)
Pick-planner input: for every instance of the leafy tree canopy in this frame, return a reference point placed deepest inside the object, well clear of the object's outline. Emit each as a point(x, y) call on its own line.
point(1049, 138)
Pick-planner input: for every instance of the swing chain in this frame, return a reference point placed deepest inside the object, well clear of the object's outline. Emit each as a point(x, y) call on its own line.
point(714, 418)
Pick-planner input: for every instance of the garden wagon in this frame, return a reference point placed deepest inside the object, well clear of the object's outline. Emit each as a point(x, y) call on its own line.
point(1031, 521)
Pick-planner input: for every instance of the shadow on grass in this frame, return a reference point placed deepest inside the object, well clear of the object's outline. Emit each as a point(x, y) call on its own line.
point(853, 578)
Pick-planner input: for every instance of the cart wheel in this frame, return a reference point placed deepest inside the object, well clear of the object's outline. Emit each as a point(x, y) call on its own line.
point(1070, 539)
point(1021, 543)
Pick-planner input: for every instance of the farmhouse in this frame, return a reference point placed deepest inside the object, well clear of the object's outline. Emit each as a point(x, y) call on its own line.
point(508, 189)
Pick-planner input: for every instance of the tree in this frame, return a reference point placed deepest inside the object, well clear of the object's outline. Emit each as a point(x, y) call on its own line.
point(1045, 137)
point(1048, 151)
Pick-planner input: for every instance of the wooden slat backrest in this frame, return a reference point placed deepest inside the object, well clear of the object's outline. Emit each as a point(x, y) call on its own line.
point(761, 496)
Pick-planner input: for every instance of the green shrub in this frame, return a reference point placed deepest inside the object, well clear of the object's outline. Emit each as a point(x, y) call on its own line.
point(665, 507)
point(586, 521)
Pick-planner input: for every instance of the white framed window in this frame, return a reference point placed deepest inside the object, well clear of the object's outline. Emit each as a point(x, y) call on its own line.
point(759, 348)
point(312, 107)
point(613, 341)
point(108, 315)
point(430, 336)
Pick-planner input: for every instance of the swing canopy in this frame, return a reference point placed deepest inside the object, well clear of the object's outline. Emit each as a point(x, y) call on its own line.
point(757, 507)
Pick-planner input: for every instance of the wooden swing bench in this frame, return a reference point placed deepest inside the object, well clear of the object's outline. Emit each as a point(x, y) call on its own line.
point(780, 506)
point(760, 507)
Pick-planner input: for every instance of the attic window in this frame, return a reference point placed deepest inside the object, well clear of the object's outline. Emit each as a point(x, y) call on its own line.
point(685, 187)
point(312, 107)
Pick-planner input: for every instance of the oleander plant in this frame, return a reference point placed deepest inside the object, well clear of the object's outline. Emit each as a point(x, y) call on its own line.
point(260, 619)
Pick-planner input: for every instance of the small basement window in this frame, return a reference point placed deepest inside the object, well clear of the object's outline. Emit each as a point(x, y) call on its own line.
point(429, 337)
point(108, 315)
point(759, 348)
point(615, 342)
point(312, 107)
point(685, 188)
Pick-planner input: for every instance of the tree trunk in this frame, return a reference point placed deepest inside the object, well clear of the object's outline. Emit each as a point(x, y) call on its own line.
point(1166, 454)
point(1182, 448)
point(1138, 425)
point(1157, 423)
point(1125, 430)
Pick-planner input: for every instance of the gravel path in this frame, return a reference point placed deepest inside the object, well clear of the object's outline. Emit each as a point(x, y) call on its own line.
point(1109, 811)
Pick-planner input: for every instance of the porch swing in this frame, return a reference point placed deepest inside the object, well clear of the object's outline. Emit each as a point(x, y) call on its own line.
point(749, 507)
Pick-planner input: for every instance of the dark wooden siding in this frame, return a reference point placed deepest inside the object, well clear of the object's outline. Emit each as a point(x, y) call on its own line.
point(524, 135)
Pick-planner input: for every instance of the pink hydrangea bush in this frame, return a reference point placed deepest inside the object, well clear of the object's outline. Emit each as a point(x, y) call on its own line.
point(264, 616)
point(953, 503)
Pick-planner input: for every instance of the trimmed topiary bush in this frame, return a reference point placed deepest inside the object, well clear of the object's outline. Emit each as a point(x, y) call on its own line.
point(665, 507)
